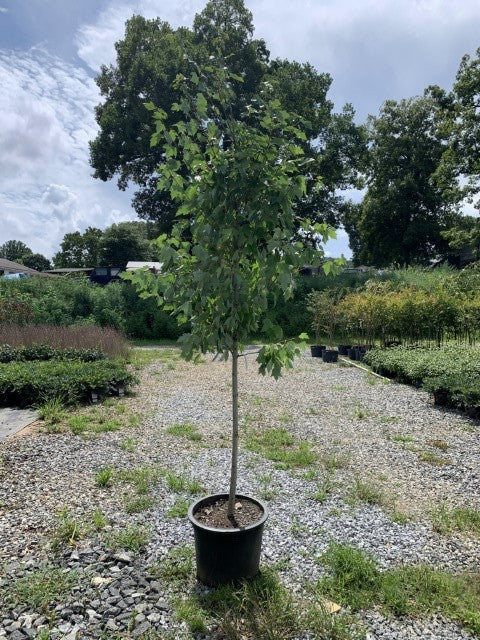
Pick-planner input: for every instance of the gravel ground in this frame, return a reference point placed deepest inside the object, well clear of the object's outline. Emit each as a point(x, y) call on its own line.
point(378, 432)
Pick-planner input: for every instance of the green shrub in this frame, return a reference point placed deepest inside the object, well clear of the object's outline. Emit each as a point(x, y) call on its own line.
point(47, 352)
point(28, 383)
point(451, 372)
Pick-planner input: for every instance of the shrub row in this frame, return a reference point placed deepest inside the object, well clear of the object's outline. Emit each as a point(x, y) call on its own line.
point(29, 383)
point(451, 372)
point(408, 314)
point(47, 352)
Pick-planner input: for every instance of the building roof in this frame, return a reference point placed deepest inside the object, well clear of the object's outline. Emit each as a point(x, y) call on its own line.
point(7, 266)
point(153, 266)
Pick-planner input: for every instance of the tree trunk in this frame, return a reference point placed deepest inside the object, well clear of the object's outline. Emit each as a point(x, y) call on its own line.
point(234, 465)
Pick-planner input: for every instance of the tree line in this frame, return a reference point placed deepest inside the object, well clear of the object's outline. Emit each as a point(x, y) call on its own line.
point(417, 161)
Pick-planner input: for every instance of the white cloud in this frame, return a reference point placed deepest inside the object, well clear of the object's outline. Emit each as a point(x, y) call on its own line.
point(3, 10)
point(46, 119)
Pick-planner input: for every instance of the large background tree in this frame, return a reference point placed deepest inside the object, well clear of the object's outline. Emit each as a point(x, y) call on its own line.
point(458, 173)
point(403, 213)
point(14, 250)
point(148, 60)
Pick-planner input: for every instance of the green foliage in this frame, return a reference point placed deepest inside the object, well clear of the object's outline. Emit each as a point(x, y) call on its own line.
point(403, 212)
point(52, 410)
point(464, 518)
point(104, 477)
point(184, 430)
point(14, 250)
point(27, 383)
point(179, 508)
point(177, 566)
point(152, 55)
point(79, 249)
point(356, 581)
point(451, 372)
point(36, 261)
point(47, 352)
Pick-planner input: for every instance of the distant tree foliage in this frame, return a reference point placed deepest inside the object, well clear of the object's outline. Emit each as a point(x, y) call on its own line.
point(36, 261)
point(79, 249)
point(458, 173)
point(150, 57)
point(14, 250)
point(403, 213)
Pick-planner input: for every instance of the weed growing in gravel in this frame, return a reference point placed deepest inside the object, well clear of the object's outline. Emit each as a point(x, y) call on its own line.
point(356, 581)
point(138, 504)
point(388, 419)
point(309, 475)
point(99, 520)
point(445, 520)
point(285, 417)
point(177, 566)
point(399, 517)
point(402, 439)
point(104, 477)
point(333, 460)
point(338, 387)
point(433, 459)
point(143, 357)
point(262, 608)
point(52, 411)
point(266, 491)
point(371, 379)
point(68, 531)
point(281, 447)
point(180, 482)
point(179, 508)
point(360, 413)
point(185, 430)
point(368, 492)
point(142, 478)
point(324, 488)
point(129, 444)
point(41, 587)
point(438, 444)
point(131, 538)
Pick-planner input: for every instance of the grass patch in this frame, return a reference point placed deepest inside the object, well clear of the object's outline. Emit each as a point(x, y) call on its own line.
point(132, 538)
point(279, 446)
point(324, 488)
point(141, 478)
point(129, 444)
point(438, 444)
point(367, 492)
point(402, 439)
point(333, 460)
point(68, 531)
point(185, 430)
point(52, 411)
point(138, 504)
point(104, 477)
point(180, 482)
point(41, 588)
point(177, 566)
point(466, 519)
point(140, 358)
point(262, 609)
point(355, 580)
point(433, 459)
point(179, 508)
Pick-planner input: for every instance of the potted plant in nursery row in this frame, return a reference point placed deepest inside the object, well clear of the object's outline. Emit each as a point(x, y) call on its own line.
point(237, 243)
point(323, 307)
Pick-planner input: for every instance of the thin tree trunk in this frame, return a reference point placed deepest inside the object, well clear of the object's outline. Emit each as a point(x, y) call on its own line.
point(234, 465)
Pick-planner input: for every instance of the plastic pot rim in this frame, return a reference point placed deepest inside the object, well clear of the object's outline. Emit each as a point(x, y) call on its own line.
point(215, 496)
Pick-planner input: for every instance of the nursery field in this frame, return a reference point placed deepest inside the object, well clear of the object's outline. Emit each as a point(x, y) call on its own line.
point(373, 495)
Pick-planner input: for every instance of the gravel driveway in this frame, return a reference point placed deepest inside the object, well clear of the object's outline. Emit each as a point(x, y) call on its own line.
point(387, 436)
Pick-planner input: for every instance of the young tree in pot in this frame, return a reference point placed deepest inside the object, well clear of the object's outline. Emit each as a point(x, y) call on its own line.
point(236, 241)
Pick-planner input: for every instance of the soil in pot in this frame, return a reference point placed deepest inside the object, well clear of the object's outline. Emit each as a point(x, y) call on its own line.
point(215, 514)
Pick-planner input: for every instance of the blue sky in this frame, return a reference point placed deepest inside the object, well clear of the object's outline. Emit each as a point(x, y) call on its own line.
point(50, 51)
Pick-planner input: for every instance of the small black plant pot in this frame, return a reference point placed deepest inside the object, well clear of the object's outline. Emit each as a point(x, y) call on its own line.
point(317, 349)
point(330, 355)
point(352, 353)
point(226, 555)
point(343, 349)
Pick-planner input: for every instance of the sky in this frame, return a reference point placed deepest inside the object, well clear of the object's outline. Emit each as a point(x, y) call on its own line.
point(51, 51)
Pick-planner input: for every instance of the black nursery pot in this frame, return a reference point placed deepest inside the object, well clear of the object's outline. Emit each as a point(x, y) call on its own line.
point(226, 555)
point(317, 349)
point(343, 349)
point(352, 353)
point(330, 355)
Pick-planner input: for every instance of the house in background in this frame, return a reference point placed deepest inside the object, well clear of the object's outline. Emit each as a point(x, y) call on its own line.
point(7, 267)
point(152, 267)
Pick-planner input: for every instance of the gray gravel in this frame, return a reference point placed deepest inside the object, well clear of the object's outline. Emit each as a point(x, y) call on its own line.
point(379, 431)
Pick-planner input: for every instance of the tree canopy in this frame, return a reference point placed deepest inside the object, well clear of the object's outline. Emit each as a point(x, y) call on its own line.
point(403, 212)
point(148, 60)
point(14, 250)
